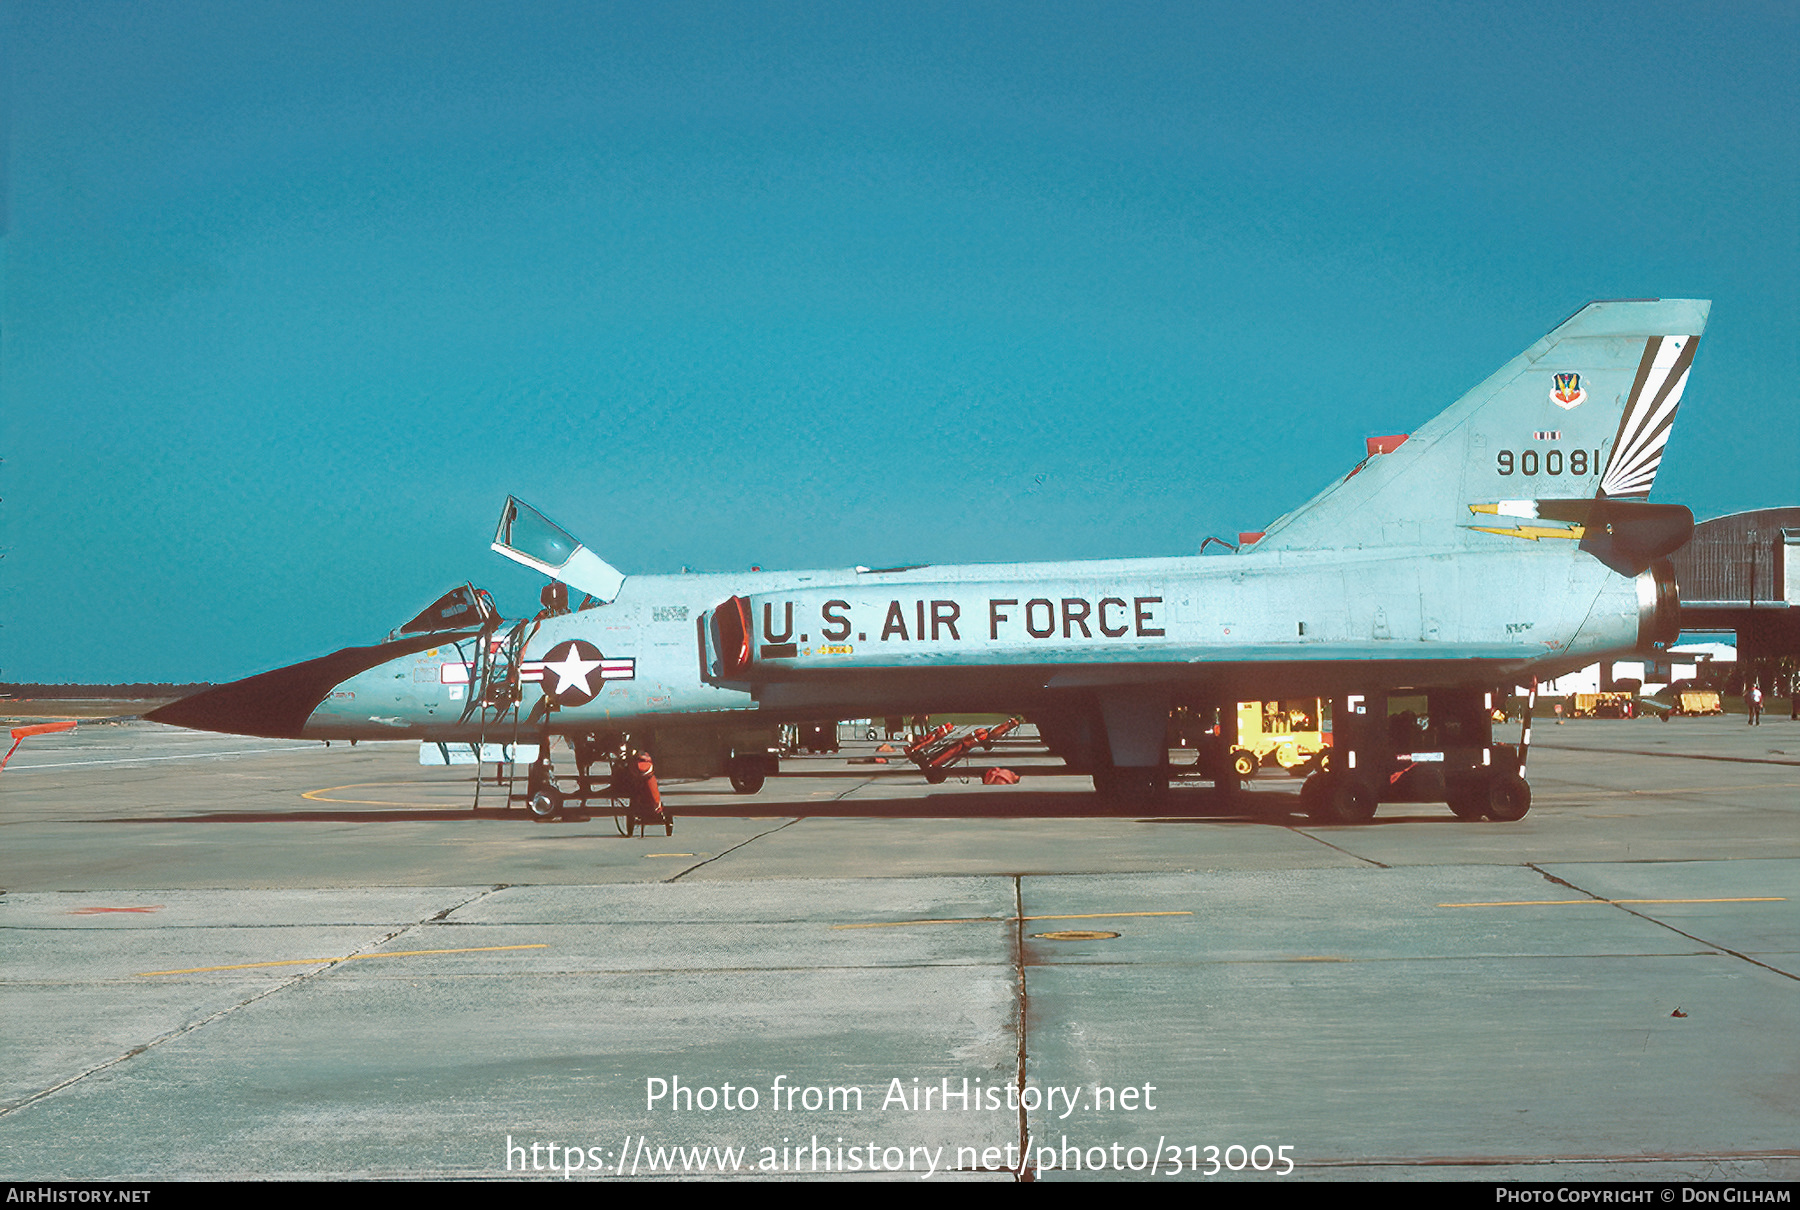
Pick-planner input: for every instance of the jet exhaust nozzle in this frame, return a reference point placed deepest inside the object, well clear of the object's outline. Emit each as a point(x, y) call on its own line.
point(1659, 606)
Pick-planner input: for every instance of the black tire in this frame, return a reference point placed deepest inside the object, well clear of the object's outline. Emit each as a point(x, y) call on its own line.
point(1508, 798)
point(1244, 763)
point(621, 817)
point(936, 777)
point(1348, 800)
point(545, 804)
point(871, 734)
point(1310, 792)
point(747, 782)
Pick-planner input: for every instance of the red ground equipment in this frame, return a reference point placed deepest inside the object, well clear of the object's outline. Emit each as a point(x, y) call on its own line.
point(20, 734)
point(937, 752)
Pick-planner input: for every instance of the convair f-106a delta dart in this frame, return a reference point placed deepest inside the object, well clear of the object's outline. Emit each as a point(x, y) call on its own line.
point(1509, 538)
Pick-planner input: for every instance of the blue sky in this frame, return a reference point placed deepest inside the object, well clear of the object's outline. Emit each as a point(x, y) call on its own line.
point(295, 294)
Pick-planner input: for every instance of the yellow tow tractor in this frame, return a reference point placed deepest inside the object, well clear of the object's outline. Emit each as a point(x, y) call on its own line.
point(1285, 733)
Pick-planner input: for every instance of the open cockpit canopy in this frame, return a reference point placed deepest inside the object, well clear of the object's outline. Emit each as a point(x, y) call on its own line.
point(529, 537)
point(465, 607)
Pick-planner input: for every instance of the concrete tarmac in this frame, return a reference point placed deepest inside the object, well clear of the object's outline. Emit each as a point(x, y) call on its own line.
point(227, 957)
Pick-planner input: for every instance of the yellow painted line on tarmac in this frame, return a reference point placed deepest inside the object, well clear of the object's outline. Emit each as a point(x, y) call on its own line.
point(1568, 902)
point(893, 924)
point(321, 795)
point(244, 966)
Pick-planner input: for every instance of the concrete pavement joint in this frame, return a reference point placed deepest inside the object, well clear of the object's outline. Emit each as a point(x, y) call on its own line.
point(1018, 955)
point(1300, 831)
point(1587, 902)
point(245, 966)
point(734, 848)
point(630, 972)
point(154, 1042)
point(183, 1031)
point(1373, 959)
point(1723, 949)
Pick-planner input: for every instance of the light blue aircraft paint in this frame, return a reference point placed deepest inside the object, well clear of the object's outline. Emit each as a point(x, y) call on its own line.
point(1509, 538)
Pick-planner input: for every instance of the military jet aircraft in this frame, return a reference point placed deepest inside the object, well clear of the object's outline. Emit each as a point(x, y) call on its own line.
point(1508, 538)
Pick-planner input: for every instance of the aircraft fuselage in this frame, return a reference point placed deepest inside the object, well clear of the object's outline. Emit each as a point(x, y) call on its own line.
point(1009, 638)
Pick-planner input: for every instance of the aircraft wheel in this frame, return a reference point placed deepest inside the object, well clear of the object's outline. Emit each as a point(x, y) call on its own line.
point(870, 734)
point(1310, 791)
point(936, 777)
point(1244, 763)
point(746, 783)
point(1508, 798)
point(1347, 800)
point(545, 803)
point(621, 817)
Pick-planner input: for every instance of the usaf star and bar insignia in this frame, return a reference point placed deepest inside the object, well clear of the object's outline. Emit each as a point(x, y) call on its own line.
point(574, 671)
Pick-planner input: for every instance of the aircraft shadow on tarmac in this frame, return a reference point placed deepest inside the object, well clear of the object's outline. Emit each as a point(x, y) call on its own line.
point(1184, 804)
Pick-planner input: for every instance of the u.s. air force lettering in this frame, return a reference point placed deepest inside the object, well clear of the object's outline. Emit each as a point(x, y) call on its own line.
point(953, 620)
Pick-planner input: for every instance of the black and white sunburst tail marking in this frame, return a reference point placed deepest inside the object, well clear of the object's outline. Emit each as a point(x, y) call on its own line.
point(1650, 410)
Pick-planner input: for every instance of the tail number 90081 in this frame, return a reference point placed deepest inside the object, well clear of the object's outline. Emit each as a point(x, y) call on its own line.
point(1549, 462)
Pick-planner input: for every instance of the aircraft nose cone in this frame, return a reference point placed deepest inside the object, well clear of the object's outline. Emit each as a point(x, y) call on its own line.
point(277, 704)
point(273, 704)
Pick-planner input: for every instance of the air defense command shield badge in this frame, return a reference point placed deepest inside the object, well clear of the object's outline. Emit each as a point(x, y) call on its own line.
point(1568, 392)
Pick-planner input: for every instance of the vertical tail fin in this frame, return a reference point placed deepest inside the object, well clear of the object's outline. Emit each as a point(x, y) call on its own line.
point(1577, 422)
